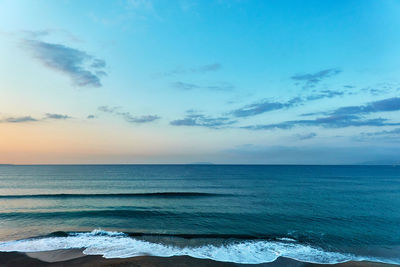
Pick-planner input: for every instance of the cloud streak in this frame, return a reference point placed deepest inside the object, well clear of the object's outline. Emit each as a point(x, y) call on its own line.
point(19, 119)
point(336, 121)
point(395, 131)
point(51, 31)
point(385, 105)
point(199, 69)
point(137, 119)
point(108, 109)
point(23, 119)
point(267, 105)
point(200, 120)
point(191, 86)
point(340, 117)
point(386, 136)
point(127, 116)
point(306, 136)
point(185, 86)
point(83, 69)
point(55, 116)
point(325, 94)
point(312, 79)
point(264, 106)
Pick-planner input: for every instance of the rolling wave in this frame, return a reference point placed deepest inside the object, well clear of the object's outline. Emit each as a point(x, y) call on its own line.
point(118, 195)
point(185, 236)
point(86, 213)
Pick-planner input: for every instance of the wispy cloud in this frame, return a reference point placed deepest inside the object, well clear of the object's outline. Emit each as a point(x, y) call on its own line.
point(47, 116)
point(374, 91)
point(334, 121)
point(19, 119)
point(128, 116)
point(386, 136)
point(215, 87)
point(264, 106)
point(306, 136)
point(342, 117)
point(310, 80)
point(51, 31)
point(385, 105)
point(82, 68)
point(203, 121)
point(108, 109)
point(57, 116)
point(98, 63)
point(185, 86)
point(199, 69)
point(395, 131)
point(379, 89)
point(35, 34)
point(137, 119)
point(325, 94)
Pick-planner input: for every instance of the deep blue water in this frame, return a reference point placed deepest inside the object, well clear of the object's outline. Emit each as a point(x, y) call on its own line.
point(332, 213)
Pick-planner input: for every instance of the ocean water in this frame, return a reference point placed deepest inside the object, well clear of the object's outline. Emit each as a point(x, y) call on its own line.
point(237, 213)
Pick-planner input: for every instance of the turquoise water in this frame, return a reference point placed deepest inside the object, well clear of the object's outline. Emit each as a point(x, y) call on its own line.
point(235, 213)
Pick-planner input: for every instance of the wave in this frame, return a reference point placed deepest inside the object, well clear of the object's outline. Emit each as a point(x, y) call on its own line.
point(185, 236)
point(133, 212)
point(121, 195)
point(108, 213)
point(120, 245)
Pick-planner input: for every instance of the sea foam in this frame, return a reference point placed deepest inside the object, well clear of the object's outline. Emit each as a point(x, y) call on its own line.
point(119, 245)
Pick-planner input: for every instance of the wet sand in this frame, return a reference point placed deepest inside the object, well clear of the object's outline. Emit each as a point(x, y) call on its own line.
point(75, 257)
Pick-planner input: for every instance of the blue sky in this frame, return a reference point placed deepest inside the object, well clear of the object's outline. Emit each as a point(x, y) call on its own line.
point(151, 81)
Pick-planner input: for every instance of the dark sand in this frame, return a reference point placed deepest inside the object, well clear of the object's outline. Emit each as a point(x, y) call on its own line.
point(75, 257)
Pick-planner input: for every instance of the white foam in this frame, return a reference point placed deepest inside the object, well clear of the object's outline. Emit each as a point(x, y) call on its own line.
point(119, 245)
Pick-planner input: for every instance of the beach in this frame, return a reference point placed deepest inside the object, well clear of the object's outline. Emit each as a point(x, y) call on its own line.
point(75, 257)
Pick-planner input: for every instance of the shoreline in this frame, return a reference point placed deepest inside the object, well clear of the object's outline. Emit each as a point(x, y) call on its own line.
point(75, 257)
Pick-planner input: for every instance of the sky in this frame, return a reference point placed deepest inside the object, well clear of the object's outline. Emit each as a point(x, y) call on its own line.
point(225, 82)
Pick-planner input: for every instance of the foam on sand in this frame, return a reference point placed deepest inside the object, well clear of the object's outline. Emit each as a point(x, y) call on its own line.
point(56, 255)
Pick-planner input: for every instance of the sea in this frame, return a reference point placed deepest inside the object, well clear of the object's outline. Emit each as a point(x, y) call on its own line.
point(235, 213)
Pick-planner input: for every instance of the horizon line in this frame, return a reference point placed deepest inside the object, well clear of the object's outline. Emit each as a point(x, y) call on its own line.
point(199, 164)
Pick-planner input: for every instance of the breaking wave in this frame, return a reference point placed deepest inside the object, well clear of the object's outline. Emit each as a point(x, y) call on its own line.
point(120, 245)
